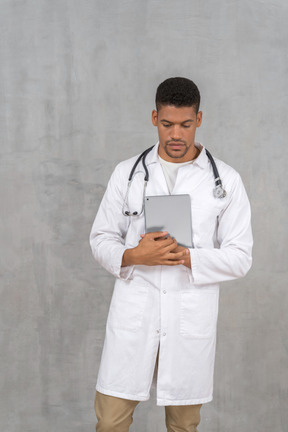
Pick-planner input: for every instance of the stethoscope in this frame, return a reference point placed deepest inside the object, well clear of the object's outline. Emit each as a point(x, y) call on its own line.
point(218, 191)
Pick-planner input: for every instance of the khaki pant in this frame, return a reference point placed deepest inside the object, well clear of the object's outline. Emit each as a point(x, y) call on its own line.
point(116, 415)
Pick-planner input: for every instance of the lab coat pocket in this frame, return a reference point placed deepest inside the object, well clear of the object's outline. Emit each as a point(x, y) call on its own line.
point(127, 306)
point(198, 316)
point(204, 222)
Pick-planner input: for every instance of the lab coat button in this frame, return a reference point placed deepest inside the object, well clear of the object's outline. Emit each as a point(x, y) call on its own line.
point(164, 291)
point(158, 331)
point(164, 334)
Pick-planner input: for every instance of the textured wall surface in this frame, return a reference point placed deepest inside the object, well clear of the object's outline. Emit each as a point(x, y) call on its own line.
point(77, 83)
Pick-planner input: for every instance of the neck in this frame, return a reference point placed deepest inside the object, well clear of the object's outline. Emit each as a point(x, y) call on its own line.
point(196, 154)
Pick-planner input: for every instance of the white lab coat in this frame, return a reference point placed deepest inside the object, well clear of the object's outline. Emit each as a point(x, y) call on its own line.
point(169, 305)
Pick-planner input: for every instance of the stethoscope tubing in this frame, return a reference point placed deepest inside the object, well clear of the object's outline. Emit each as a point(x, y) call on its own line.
point(143, 157)
point(219, 192)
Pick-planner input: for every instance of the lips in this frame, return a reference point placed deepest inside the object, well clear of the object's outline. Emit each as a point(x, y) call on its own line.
point(176, 146)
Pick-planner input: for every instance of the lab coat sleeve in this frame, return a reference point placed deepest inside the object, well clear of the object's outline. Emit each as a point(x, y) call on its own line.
point(233, 258)
point(109, 230)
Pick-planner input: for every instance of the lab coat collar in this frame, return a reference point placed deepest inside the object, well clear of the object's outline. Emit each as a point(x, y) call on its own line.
point(201, 160)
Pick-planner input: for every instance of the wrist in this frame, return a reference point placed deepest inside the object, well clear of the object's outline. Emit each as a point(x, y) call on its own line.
point(128, 258)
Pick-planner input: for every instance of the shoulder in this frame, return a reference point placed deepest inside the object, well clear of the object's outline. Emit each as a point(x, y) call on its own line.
point(127, 164)
point(226, 172)
point(124, 168)
point(231, 180)
point(122, 171)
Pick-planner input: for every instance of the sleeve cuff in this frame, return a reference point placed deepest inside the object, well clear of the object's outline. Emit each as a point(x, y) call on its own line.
point(194, 259)
point(124, 273)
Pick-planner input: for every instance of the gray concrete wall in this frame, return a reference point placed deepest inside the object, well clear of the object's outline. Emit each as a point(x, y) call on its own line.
point(77, 83)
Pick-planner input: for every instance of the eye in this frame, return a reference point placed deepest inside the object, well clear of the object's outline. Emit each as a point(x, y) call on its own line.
point(166, 125)
point(186, 126)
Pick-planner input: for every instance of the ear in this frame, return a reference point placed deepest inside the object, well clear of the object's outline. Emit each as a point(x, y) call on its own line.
point(199, 119)
point(154, 118)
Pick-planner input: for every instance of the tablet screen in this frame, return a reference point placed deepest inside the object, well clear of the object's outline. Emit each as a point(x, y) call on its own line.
point(170, 213)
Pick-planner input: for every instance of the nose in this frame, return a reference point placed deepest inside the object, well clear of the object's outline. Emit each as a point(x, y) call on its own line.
point(175, 133)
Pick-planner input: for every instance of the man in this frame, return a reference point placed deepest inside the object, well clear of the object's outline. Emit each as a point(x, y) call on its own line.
point(164, 306)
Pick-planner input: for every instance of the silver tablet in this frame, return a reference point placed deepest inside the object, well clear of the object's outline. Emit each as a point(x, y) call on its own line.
point(170, 213)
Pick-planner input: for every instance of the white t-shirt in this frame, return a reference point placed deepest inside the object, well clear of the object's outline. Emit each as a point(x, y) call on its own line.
point(170, 170)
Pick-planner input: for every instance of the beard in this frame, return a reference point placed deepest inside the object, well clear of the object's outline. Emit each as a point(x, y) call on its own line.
point(176, 153)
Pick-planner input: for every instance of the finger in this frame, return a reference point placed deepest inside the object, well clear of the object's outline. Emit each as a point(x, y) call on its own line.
point(153, 235)
point(166, 241)
point(164, 238)
point(176, 256)
point(169, 245)
point(172, 262)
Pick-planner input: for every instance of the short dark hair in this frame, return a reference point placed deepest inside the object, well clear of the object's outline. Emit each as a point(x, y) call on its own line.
point(179, 92)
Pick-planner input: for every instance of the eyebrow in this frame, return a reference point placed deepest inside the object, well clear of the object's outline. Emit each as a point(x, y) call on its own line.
point(185, 121)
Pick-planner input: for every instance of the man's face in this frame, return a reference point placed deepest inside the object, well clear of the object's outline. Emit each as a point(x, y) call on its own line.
point(176, 130)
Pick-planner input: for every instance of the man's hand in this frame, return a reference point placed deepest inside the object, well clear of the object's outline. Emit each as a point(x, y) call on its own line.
point(151, 251)
point(178, 248)
point(187, 261)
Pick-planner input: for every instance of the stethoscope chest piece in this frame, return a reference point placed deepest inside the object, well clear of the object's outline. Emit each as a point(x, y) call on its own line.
point(219, 192)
